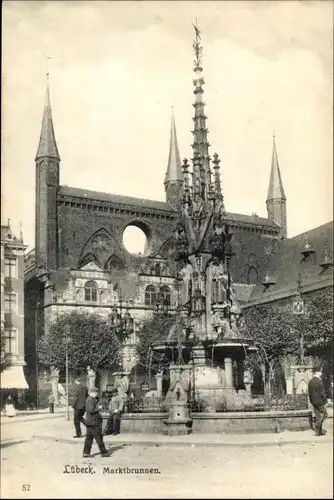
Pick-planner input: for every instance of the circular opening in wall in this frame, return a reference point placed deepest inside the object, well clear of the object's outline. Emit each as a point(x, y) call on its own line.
point(137, 239)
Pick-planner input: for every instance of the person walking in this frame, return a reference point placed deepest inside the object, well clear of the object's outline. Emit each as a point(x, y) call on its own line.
point(51, 402)
point(79, 405)
point(10, 407)
point(115, 408)
point(318, 399)
point(94, 425)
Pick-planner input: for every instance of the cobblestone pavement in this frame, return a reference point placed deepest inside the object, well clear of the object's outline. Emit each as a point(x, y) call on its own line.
point(38, 467)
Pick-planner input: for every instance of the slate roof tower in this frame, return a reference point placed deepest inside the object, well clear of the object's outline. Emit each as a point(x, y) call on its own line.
point(173, 178)
point(47, 185)
point(276, 199)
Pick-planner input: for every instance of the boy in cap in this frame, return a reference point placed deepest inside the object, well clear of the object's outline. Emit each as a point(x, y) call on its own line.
point(94, 424)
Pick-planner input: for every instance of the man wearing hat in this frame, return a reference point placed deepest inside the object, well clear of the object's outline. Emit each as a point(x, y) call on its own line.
point(94, 424)
point(318, 399)
point(78, 405)
point(115, 408)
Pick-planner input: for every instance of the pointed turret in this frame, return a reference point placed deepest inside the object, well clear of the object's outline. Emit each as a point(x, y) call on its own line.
point(276, 199)
point(173, 178)
point(47, 143)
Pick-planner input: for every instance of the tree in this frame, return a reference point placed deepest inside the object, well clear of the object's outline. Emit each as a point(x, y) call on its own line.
point(154, 329)
point(278, 332)
point(2, 352)
point(90, 343)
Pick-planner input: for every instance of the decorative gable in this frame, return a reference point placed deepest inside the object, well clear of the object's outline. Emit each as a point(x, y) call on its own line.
point(91, 266)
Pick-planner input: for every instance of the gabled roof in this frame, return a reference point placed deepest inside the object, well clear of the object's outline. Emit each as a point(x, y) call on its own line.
point(286, 264)
point(143, 203)
point(115, 198)
point(252, 219)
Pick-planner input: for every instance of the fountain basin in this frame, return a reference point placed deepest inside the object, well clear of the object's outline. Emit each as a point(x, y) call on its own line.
point(256, 422)
point(177, 427)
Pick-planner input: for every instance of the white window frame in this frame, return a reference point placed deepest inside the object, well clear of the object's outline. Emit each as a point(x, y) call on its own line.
point(86, 288)
point(11, 270)
point(14, 335)
point(14, 309)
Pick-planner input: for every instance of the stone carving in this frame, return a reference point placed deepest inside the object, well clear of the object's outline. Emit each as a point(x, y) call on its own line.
point(234, 331)
point(186, 285)
point(219, 282)
point(219, 322)
point(90, 262)
point(154, 268)
point(80, 295)
point(68, 292)
point(104, 297)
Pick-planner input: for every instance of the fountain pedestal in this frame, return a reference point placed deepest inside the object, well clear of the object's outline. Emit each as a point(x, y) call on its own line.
point(213, 385)
point(179, 422)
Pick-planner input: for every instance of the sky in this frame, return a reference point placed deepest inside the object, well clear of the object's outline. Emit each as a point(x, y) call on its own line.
point(117, 68)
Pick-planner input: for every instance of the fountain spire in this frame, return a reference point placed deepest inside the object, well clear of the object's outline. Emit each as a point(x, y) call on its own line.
point(201, 158)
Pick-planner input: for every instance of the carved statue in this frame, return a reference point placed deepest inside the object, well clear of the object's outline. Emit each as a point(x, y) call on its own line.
point(105, 297)
point(220, 324)
point(90, 372)
point(186, 286)
point(234, 329)
point(219, 282)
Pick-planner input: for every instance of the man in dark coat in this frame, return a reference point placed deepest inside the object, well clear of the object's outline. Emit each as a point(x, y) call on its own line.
point(318, 399)
point(51, 401)
point(79, 405)
point(94, 425)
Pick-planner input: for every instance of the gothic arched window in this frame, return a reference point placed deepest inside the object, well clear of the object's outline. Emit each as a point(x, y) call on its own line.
point(150, 295)
point(252, 276)
point(166, 294)
point(90, 291)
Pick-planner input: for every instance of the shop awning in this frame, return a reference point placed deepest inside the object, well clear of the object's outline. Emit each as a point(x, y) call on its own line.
point(13, 378)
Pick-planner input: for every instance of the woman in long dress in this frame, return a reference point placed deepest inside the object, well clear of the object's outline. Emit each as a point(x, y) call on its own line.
point(9, 407)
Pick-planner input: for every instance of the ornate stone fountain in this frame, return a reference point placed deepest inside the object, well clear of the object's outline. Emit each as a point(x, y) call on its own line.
point(208, 341)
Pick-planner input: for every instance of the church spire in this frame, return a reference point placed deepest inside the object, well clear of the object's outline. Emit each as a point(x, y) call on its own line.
point(174, 162)
point(275, 190)
point(173, 178)
point(47, 143)
point(276, 199)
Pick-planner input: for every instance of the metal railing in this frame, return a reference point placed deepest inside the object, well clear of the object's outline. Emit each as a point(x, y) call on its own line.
point(200, 405)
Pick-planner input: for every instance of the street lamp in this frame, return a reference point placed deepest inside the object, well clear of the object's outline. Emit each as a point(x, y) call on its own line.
point(36, 355)
point(268, 281)
point(327, 262)
point(298, 309)
point(298, 305)
point(67, 340)
point(161, 305)
point(120, 322)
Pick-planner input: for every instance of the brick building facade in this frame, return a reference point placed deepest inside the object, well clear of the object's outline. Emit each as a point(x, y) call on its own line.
point(80, 261)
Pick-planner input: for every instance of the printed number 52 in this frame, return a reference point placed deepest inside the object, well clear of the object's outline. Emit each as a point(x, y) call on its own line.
point(25, 487)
